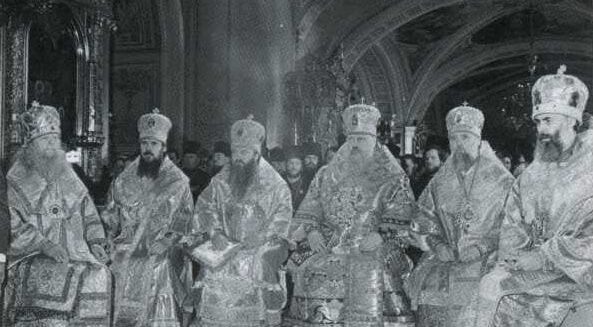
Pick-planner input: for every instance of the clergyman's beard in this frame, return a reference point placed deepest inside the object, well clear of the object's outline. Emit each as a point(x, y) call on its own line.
point(463, 160)
point(242, 176)
point(50, 166)
point(549, 150)
point(150, 168)
point(357, 159)
point(293, 175)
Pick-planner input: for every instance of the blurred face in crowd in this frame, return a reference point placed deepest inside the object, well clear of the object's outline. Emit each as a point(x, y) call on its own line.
point(243, 170)
point(294, 167)
point(220, 159)
point(555, 134)
point(362, 148)
point(433, 162)
point(409, 166)
point(191, 161)
point(311, 161)
point(118, 166)
point(507, 162)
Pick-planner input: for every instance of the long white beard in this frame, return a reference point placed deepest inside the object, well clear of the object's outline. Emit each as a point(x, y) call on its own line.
point(50, 167)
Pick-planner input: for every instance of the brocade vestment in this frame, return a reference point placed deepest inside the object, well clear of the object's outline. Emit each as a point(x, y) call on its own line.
point(549, 210)
point(150, 288)
point(345, 286)
point(247, 290)
point(464, 220)
point(41, 291)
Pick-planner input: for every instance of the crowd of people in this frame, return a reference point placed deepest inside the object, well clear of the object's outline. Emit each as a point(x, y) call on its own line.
point(296, 238)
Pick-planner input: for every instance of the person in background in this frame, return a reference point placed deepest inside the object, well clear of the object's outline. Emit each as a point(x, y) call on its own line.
point(277, 160)
point(507, 160)
point(174, 156)
point(311, 160)
point(312, 156)
point(294, 175)
point(221, 156)
point(198, 178)
point(520, 166)
point(434, 157)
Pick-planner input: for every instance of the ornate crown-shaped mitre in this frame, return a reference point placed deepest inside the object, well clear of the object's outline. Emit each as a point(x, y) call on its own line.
point(465, 119)
point(154, 125)
point(361, 119)
point(247, 133)
point(39, 120)
point(559, 94)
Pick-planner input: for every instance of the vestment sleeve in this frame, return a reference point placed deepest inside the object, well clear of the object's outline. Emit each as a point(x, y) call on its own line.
point(207, 218)
point(26, 237)
point(281, 213)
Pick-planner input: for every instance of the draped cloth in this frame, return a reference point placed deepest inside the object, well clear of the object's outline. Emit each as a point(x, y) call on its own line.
point(151, 289)
point(40, 291)
point(345, 286)
point(549, 213)
point(248, 290)
point(440, 290)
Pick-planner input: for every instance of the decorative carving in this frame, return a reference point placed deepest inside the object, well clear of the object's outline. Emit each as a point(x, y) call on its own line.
point(137, 25)
point(91, 20)
point(315, 96)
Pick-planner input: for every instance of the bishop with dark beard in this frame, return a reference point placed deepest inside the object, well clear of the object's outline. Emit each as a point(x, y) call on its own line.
point(544, 275)
point(57, 274)
point(247, 203)
point(149, 210)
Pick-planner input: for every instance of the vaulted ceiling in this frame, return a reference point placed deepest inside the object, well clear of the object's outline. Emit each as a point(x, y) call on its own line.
point(409, 53)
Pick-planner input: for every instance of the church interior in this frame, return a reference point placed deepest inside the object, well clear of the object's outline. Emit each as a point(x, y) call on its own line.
point(459, 189)
point(292, 64)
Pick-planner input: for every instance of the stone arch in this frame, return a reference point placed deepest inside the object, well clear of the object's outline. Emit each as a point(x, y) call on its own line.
point(306, 24)
point(360, 40)
point(478, 55)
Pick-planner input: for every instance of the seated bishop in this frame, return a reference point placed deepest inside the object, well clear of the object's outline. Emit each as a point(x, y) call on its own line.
point(350, 233)
point(544, 275)
point(57, 275)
